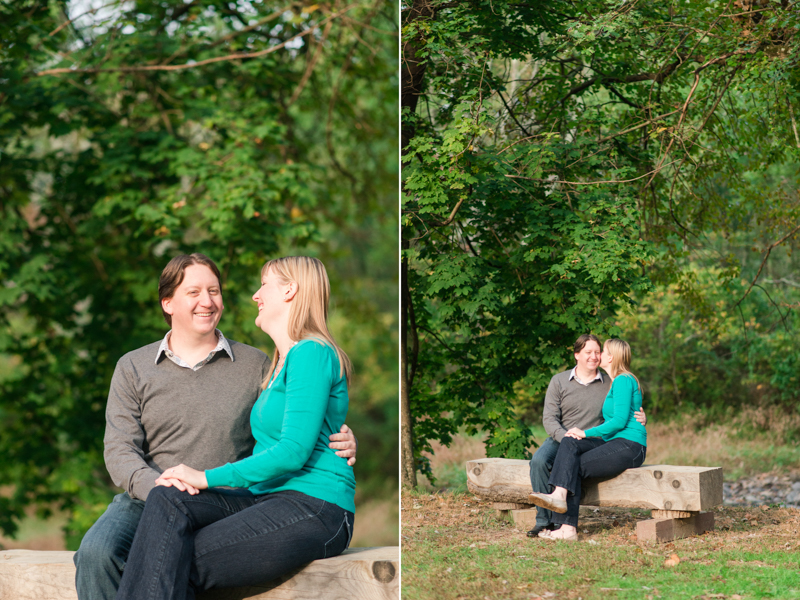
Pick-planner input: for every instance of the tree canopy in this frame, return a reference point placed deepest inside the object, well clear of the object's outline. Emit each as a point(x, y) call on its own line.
point(564, 164)
point(134, 131)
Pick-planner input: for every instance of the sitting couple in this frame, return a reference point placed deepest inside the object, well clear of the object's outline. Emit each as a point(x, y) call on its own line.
point(596, 429)
point(179, 420)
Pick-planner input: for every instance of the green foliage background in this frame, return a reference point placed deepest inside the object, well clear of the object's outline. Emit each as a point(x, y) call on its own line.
point(622, 168)
point(111, 168)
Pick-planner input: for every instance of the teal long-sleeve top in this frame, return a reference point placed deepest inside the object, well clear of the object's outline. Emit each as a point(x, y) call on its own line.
point(623, 399)
point(291, 421)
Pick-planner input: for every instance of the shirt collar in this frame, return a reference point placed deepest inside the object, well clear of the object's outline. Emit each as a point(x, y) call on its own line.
point(222, 344)
point(574, 375)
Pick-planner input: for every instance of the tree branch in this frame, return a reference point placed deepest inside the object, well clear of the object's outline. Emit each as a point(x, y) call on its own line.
point(764, 261)
point(192, 65)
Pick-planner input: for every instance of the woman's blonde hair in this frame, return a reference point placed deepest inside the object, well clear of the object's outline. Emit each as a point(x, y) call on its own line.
point(620, 352)
point(308, 315)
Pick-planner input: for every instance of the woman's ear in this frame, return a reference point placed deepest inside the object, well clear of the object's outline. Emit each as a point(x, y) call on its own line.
point(291, 291)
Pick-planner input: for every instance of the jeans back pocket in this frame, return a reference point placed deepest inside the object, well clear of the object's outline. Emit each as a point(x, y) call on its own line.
point(341, 540)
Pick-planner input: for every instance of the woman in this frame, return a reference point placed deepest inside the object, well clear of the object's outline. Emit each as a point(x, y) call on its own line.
point(296, 504)
point(607, 450)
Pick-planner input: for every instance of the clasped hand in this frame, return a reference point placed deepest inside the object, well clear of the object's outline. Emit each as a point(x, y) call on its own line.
point(184, 478)
point(576, 433)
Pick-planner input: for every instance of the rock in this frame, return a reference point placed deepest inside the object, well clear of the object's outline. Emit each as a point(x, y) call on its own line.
point(762, 489)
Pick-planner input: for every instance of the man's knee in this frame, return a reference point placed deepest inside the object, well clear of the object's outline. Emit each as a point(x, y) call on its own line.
point(539, 462)
point(97, 554)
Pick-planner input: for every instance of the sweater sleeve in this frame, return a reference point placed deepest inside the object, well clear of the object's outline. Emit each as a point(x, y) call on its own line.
point(551, 416)
point(308, 386)
point(125, 437)
point(621, 392)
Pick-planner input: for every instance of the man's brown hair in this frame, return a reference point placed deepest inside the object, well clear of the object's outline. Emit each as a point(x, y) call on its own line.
point(586, 337)
point(173, 273)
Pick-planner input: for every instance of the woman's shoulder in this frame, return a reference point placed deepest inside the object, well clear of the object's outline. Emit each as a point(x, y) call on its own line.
point(625, 380)
point(310, 349)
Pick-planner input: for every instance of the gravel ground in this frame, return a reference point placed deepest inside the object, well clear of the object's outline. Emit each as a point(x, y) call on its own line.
point(762, 489)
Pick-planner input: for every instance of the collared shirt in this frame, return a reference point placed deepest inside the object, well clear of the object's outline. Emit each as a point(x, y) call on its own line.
point(222, 344)
point(574, 375)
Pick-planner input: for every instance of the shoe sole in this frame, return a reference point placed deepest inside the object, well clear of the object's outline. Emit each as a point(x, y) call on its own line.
point(545, 502)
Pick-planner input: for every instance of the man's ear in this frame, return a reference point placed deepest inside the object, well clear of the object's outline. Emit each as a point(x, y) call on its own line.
point(166, 304)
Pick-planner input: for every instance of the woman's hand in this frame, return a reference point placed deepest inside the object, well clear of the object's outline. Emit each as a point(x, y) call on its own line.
point(576, 433)
point(640, 416)
point(184, 478)
point(177, 483)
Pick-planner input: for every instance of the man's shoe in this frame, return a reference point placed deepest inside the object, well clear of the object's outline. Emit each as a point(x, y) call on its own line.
point(535, 531)
point(548, 502)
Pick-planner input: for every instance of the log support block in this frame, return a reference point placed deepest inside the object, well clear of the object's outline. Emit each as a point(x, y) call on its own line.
point(666, 530)
point(524, 519)
point(357, 574)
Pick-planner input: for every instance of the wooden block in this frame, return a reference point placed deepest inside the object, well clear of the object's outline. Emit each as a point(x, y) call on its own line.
point(509, 506)
point(524, 519)
point(358, 573)
point(660, 487)
point(671, 514)
point(501, 515)
point(665, 530)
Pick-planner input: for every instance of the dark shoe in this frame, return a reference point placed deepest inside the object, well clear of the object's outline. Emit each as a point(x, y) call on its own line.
point(535, 531)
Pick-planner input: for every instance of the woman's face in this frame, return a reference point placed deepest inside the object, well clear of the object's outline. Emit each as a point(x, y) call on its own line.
point(605, 359)
point(271, 300)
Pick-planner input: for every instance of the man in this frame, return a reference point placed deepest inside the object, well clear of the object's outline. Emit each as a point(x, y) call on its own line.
point(185, 399)
point(574, 398)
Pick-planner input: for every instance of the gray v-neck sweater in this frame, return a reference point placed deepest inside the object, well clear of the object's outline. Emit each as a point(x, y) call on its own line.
point(569, 404)
point(160, 415)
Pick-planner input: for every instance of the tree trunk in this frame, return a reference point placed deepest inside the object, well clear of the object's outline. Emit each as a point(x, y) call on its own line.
point(409, 471)
point(412, 73)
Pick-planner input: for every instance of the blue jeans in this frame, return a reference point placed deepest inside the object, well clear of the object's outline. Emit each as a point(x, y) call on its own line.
point(226, 538)
point(590, 457)
point(104, 549)
point(541, 465)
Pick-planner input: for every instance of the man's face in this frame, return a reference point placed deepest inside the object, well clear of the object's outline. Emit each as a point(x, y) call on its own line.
point(196, 306)
point(588, 359)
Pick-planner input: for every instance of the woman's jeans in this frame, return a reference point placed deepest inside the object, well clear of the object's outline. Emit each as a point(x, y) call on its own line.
point(227, 538)
point(590, 457)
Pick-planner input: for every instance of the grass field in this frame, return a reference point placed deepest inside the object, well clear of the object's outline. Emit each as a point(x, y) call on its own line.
point(454, 548)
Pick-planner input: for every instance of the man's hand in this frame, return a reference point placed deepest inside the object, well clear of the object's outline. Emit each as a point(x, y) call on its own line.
point(184, 478)
point(640, 416)
point(576, 433)
point(345, 444)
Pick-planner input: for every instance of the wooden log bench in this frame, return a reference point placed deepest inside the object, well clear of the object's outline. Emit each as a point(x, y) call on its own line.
point(678, 497)
point(357, 574)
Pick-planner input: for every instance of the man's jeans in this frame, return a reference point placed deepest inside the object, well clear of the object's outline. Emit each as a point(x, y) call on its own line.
point(226, 538)
point(541, 465)
point(590, 457)
point(104, 549)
